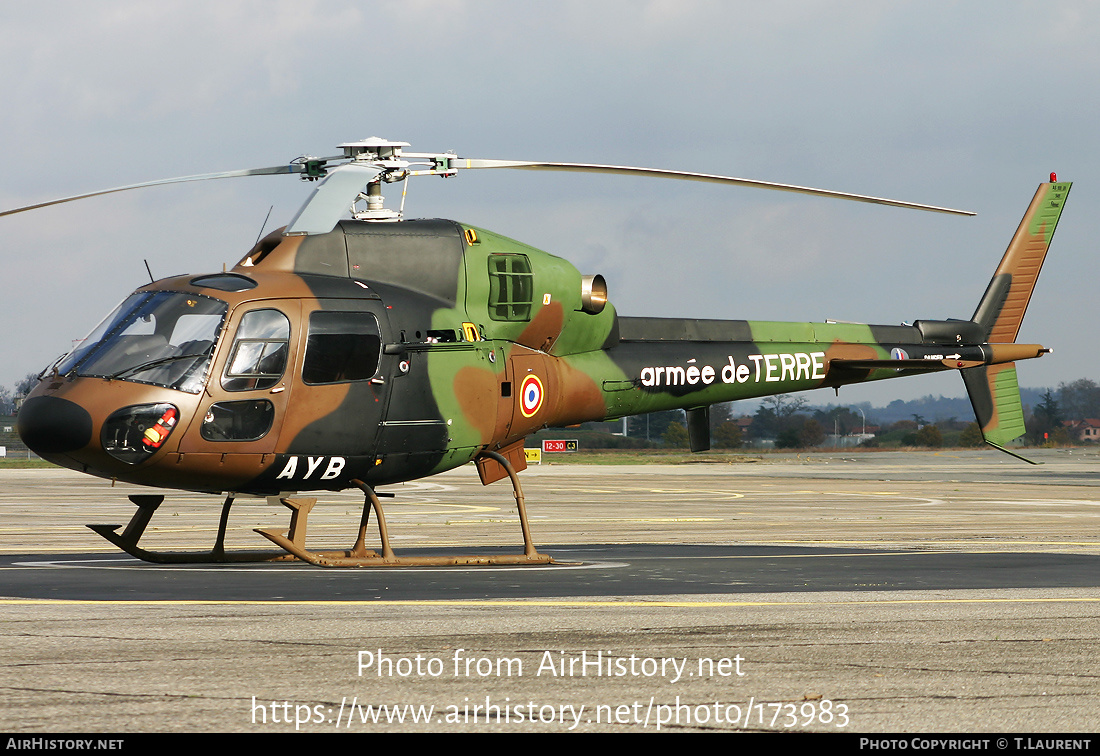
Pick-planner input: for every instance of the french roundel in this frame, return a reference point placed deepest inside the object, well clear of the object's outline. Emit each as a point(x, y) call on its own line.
point(530, 396)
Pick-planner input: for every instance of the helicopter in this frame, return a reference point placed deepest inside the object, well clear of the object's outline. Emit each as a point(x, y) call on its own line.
point(354, 348)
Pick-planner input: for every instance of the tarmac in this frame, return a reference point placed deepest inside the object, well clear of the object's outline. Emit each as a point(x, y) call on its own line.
point(881, 592)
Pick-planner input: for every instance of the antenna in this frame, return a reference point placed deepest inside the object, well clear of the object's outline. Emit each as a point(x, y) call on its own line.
point(266, 218)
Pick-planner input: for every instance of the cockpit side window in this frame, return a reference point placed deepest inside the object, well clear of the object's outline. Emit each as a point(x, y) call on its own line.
point(258, 357)
point(342, 346)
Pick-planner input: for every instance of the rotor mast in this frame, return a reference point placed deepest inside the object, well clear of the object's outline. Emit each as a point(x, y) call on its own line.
point(379, 153)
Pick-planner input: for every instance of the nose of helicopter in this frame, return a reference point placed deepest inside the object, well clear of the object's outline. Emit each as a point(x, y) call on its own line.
point(51, 425)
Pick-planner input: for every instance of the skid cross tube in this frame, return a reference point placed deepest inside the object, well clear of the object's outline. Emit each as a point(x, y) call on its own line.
point(371, 500)
point(359, 556)
point(521, 507)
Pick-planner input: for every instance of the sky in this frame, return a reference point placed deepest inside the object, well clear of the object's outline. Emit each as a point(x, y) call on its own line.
point(968, 105)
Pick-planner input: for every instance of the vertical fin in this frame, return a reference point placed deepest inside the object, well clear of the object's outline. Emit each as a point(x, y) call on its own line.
point(993, 389)
point(995, 395)
point(1001, 310)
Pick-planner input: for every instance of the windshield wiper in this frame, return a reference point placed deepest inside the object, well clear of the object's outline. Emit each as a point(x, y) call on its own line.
point(155, 363)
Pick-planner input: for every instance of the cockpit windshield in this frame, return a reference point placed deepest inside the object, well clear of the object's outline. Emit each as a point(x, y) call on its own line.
point(161, 337)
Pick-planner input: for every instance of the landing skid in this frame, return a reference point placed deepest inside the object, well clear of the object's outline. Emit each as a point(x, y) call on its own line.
point(293, 541)
point(147, 504)
point(359, 556)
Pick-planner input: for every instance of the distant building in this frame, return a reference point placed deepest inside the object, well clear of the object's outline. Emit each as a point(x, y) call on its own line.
point(1084, 430)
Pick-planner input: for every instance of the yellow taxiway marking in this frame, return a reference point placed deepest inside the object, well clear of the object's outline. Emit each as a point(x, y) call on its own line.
point(909, 547)
point(583, 520)
point(893, 543)
point(529, 603)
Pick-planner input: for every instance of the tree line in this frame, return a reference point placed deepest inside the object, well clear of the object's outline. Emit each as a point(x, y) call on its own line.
point(789, 422)
point(10, 397)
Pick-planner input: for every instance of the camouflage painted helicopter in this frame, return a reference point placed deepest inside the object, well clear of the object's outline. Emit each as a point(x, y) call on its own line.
point(365, 351)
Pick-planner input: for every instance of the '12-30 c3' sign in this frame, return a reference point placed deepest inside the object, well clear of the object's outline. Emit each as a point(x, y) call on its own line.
point(559, 445)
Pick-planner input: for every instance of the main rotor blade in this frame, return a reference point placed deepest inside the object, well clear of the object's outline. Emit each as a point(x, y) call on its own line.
point(686, 176)
point(270, 171)
point(332, 198)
